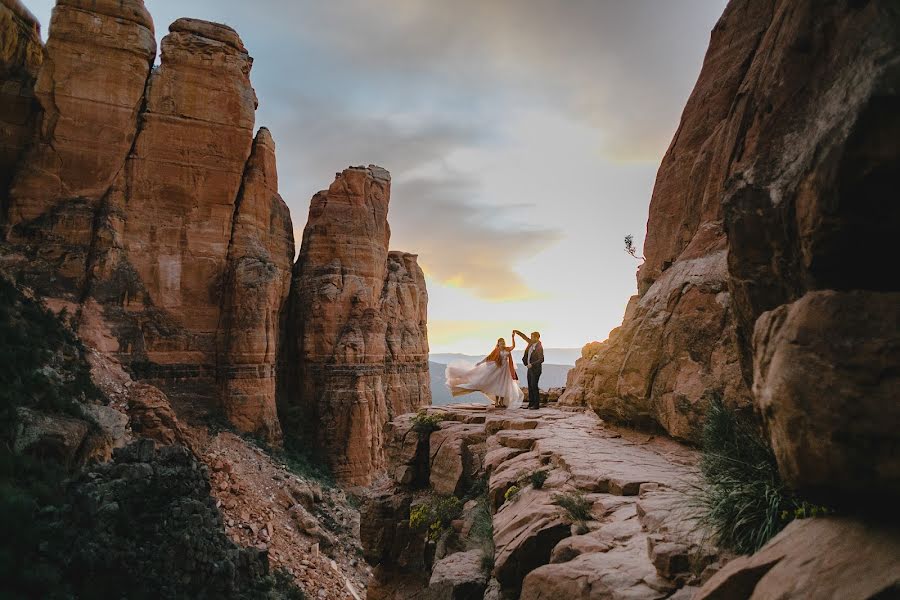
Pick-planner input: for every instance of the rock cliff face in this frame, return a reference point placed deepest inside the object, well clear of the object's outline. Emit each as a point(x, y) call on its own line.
point(793, 114)
point(680, 343)
point(782, 179)
point(358, 316)
point(810, 207)
point(138, 201)
point(21, 54)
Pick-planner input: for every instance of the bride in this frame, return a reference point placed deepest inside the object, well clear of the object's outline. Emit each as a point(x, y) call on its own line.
point(494, 376)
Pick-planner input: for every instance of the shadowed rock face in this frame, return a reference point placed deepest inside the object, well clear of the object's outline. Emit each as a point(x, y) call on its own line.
point(813, 220)
point(257, 283)
point(360, 353)
point(21, 53)
point(140, 202)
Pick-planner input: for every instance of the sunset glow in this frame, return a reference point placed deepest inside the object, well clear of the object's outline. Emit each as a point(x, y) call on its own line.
point(523, 140)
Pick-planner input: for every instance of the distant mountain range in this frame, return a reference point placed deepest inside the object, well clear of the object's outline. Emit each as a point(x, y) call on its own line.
point(552, 375)
point(555, 356)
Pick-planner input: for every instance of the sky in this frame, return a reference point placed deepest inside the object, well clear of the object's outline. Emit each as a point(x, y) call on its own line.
point(523, 137)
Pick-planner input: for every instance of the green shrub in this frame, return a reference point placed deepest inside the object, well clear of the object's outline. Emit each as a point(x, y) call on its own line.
point(511, 492)
point(742, 498)
point(537, 479)
point(575, 504)
point(424, 422)
point(435, 515)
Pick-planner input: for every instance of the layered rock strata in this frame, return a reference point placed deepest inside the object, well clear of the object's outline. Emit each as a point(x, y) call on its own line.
point(359, 355)
point(639, 539)
point(144, 203)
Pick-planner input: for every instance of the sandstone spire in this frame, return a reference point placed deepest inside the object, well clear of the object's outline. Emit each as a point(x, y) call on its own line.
point(257, 282)
point(360, 355)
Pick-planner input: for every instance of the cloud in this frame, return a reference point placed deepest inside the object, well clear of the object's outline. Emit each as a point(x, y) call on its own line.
point(463, 244)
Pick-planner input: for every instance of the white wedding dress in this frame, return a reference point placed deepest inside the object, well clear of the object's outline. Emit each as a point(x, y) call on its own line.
point(488, 378)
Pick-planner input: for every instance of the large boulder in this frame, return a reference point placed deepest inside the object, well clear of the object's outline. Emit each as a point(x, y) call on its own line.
point(460, 576)
point(526, 530)
point(57, 437)
point(826, 383)
point(815, 558)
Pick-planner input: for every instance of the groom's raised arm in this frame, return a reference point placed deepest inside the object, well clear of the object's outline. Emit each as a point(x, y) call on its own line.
point(521, 335)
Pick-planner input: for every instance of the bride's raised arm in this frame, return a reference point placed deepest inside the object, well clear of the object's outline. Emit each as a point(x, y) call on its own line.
point(513, 347)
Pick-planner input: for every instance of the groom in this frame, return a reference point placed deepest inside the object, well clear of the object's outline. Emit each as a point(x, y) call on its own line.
point(533, 359)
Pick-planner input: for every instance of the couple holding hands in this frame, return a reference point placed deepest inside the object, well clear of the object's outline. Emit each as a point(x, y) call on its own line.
point(495, 375)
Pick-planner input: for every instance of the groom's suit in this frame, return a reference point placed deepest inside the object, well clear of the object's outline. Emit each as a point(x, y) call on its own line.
point(534, 355)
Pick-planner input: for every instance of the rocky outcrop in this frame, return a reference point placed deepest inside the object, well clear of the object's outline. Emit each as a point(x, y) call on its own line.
point(862, 562)
point(626, 534)
point(678, 343)
point(21, 53)
point(358, 315)
point(257, 283)
point(140, 204)
point(808, 208)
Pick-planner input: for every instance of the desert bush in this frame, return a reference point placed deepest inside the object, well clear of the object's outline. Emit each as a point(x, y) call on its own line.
point(537, 479)
point(575, 504)
point(435, 515)
point(742, 498)
point(511, 493)
point(424, 422)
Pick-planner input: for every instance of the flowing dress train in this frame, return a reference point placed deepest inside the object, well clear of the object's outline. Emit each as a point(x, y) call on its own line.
point(488, 378)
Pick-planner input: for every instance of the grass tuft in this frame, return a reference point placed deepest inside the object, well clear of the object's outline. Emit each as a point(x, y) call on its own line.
point(575, 504)
point(742, 498)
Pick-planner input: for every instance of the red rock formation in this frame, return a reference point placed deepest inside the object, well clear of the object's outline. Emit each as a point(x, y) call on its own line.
point(90, 88)
point(257, 283)
point(680, 344)
point(21, 53)
point(182, 182)
point(811, 206)
point(360, 356)
point(137, 202)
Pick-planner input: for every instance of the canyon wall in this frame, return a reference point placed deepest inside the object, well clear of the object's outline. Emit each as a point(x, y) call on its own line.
point(678, 343)
point(141, 201)
point(359, 349)
point(776, 184)
point(770, 268)
point(812, 218)
point(21, 54)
